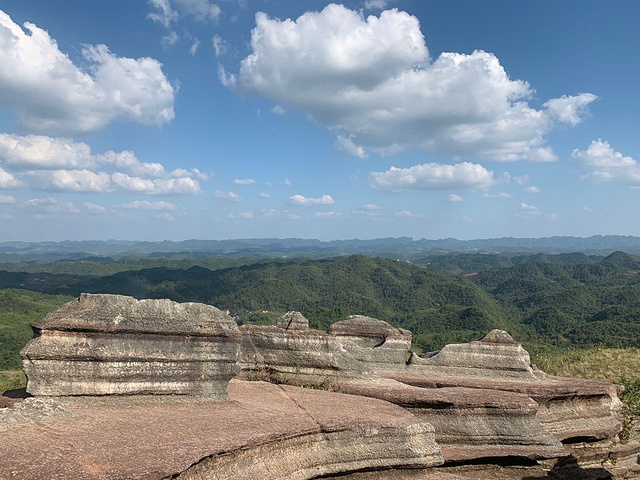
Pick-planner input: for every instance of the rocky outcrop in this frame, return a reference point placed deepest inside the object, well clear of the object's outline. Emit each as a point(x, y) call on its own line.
point(569, 408)
point(266, 432)
point(480, 407)
point(111, 344)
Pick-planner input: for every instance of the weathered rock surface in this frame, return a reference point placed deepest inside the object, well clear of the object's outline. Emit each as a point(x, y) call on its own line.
point(569, 408)
point(293, 321)
point(470, 423)
point(382, 347)
point(111, 344)
point(266, 432)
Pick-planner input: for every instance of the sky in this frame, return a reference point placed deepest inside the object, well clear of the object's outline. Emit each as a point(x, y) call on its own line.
point(179, 119)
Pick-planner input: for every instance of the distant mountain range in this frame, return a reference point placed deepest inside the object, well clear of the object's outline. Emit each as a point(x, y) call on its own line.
point(402, 247)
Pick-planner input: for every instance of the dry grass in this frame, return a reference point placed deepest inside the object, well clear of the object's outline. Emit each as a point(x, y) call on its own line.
point(10, 379)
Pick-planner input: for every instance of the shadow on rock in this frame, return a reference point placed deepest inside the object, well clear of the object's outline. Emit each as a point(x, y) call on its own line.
point(569, 469)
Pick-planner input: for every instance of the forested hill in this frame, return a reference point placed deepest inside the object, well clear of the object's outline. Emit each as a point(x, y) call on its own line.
point(552, 299)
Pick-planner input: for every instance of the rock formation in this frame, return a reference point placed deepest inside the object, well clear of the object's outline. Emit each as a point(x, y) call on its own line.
point(111, 344)
point(477, 410)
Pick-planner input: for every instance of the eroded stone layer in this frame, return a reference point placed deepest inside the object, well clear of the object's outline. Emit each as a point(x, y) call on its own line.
point(266, 432)
point(470, 423)
point(112, 344)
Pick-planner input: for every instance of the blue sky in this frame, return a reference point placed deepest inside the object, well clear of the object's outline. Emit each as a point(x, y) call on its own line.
point(176, 119)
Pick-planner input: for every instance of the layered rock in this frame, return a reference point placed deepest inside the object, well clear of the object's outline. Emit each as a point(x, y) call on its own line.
point(569, 408)
point(382, 347)
point(293, 321)
point(266, 432)
point(111, 344)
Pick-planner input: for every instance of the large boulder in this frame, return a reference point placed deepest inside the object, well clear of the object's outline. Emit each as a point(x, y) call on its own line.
point(112, 344)
point(293, 321)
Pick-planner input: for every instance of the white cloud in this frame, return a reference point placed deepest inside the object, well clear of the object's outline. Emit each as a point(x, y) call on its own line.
point(163, 13)
point(468, 219)
point(169, 40)
point(64, 165)
point(165, 216)
point(286, 182)
point(246, 215)
point(587, 209)
point(7, 200)
point(194, 47)
point(307, 201)
point(532, 189)
point(8, 181)
point(603, 164)
point(375, 4)
point(406, 214)
point(453, 198)
point(346, 145)
point(69, 180)
point(278, 110)
point(265, 195)
point(51, 205)
point(49, 93)
point(219, 45)
point(433, 176)
point(371, 206)
point(145, 205)
point(570, 109)
point(327, 214)
point(496, 195)
point(201, 10)
point(244, 181)
point(233, 197)
point(174, 186)
point(521, 180)
point(93, 208)
point(528, 211)
point(371, 81)
point(273, 213)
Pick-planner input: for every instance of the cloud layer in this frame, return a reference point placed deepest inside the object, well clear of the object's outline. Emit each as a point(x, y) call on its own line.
point(433, 176)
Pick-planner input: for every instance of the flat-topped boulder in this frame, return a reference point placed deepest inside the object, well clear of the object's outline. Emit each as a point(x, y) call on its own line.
point(267, 432)
point(293, 321)
point(112, 344)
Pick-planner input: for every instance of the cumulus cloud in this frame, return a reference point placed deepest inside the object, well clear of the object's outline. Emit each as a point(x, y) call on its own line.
point(8, 181)
point(265, 195)
point(307, 201)
point(603, 164)
point(49, 204)
point(405, 214)
point(246, 215)
point(194, 47)
point(528, 211)
point(433, 176)
point(453, 198)
point(7, 200)
point(244, 181)
point(146, 205)
point(165, 216)
point(219, 45)
point(69, 180)
point(64, 165)
point(278, 110)
point(347, 145)
point(371, 81)
point(570, 109)
point(49, 93)
point(94, 208)
point(162, 12)
point(532, 189)
point(233, 197)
